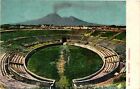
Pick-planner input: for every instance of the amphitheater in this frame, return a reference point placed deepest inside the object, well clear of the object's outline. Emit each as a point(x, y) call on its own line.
point(14, 73)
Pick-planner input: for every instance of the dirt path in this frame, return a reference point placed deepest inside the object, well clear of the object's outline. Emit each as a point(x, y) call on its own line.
point(61, 64)
point(63, 81)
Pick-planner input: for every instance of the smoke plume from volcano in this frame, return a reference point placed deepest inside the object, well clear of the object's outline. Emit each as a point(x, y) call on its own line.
point(59, 6)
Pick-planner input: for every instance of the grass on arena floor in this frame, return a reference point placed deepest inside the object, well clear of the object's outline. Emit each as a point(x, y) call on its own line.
point(83, 62)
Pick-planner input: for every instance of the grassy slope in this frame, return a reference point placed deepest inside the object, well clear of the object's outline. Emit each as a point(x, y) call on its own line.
point(10, 35)
point(121, 36)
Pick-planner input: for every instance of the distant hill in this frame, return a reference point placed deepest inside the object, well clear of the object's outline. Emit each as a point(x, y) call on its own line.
point(57, 20)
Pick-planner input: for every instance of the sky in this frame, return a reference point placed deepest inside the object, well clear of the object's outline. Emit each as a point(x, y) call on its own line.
point(101, 12)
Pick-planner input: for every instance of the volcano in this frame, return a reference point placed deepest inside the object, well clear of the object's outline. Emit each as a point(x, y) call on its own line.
point(57, 20)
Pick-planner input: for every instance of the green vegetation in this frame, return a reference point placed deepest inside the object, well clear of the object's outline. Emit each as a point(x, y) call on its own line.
point(83, 62)
point(23, 41)
point(43, 62)
point(16, 40)
point(9, 35)
point(121, 36)
point(96, 33)
point(108, 34)
point(104, 33)
point(63, 83)
point(120, 85)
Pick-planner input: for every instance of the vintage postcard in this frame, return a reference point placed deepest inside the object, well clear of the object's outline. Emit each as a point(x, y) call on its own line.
point(67, 44)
